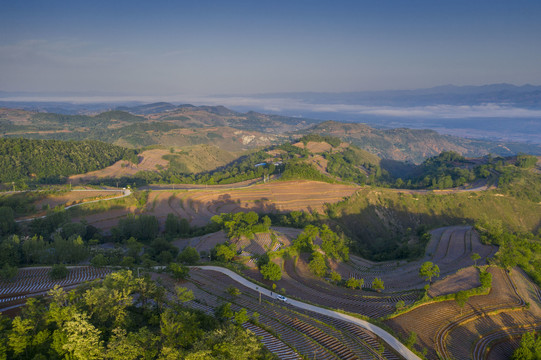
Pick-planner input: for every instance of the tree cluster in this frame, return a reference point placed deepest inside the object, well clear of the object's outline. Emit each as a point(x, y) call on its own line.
point(123, 318)
point(50, 161)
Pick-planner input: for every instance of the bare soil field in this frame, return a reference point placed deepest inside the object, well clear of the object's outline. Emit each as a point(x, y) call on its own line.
point(464, 279)
point(50, 201)
point(320, 163)
point(75, 197)
point(314, 147)
point(433, 322)
point(149, 160)
point(17, 117)
point(198, 206)
point(202, 243)
point(494, 343)
point(450, 248)
point(258, 245)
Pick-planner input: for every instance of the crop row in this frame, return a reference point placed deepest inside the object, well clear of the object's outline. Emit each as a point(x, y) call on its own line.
point(294, 329)
point(30, 281)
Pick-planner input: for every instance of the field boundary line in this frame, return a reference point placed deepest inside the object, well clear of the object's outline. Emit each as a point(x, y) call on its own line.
point(382, 334)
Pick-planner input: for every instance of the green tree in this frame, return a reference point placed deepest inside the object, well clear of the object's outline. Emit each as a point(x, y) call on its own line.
point(189, 256)
point(429, 270)
point(123, 346)
point(530, 347)
point(8, 272)
point(333, 245)
point(20, 337)
point(184, 294)
point(179, 329)
point(241, 316)
point(225, 252)
point(317, 264)
point(411, 340)
point(271, 271)
point(475, 257)
point(335, 276)
point(234, 291)
point(230, 342)
point(262, 260)
point(7, 221)
point(224, 312)
point(82, 338)
point(178, 271)
point(353, 283)
point(486, 279)
point(172, 226)
point(377, 284)
point(461, 299)
point(99, 261)
point(59, 271)
point(305, 240)
point(134, 247)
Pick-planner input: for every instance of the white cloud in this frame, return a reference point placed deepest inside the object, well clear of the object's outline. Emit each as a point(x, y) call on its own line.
point(285, 105)
point(434, 111)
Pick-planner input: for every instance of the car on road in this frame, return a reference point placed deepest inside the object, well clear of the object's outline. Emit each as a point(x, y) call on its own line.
point(281, 298)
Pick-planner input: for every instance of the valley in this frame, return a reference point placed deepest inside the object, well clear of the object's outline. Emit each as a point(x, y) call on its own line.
point(336, 219)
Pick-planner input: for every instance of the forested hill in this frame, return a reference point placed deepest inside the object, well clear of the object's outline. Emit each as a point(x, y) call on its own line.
point(415, 145)
point(47, 161)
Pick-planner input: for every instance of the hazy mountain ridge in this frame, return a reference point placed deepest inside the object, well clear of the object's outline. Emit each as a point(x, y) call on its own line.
point(415, 145)
point(187, 125)
point(522, 96)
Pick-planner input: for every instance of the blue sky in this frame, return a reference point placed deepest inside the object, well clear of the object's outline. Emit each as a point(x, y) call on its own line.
point(245, 47)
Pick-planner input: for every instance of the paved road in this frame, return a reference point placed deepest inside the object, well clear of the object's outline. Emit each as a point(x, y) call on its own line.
point(388, 338)
point(237, 185)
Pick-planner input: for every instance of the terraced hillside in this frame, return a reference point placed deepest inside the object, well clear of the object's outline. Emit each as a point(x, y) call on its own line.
point(307, 334)
point(486, 320)
point(31, 282)
point(199, 205)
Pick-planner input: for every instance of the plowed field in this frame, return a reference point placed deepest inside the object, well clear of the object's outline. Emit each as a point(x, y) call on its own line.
point(200, 205)
point(149, 160)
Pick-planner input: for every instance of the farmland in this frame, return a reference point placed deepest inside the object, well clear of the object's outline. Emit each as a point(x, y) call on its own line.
point(307, 333)
point(30, 282)
point(149, 160)
point(319, 221)
point(201, 203)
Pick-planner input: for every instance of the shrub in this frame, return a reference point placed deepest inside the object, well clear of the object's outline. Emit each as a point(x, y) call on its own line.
point(59, 271)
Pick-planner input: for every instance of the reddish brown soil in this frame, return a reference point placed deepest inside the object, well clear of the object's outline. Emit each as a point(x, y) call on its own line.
point(314, 147)
point(74, 197)
point(199, 206)
point(149, 160)
point(427, 320)
point(464, 279)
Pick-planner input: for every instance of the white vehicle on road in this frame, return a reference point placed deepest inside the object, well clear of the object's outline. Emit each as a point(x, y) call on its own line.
point(281, 298)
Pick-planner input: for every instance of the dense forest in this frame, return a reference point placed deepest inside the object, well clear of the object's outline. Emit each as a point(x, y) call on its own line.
point(49, 161)
point(125, 317)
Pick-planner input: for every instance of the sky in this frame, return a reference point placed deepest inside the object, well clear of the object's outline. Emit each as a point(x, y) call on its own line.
point(198, 48)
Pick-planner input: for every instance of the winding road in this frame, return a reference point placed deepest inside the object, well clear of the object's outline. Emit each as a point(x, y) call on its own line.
point(382, 334)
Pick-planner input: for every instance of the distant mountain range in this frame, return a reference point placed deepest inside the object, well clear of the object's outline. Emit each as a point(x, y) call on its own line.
point(528, 96)
point(186, 125)
point(499, 112)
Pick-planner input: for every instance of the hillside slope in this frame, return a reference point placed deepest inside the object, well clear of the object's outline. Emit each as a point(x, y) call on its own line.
point(414, 145)
point(49, 160)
